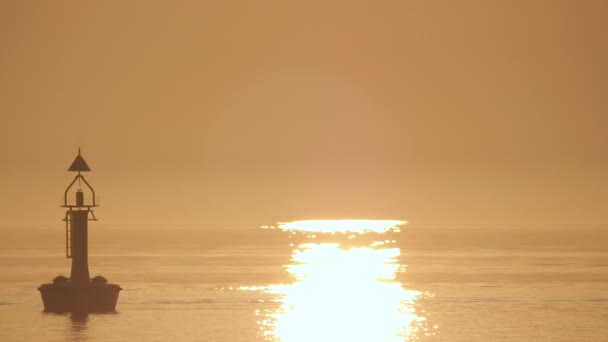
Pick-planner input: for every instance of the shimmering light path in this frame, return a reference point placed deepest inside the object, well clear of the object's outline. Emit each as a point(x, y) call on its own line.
point(340, 293)
point(342, 226)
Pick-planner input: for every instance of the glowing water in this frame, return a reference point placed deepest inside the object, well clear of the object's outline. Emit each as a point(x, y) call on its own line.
point(343, 293)
point(342, 226)
point(527, 284)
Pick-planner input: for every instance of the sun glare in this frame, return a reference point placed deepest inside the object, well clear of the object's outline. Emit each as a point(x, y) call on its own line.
point(342, 226)
point(343, 294)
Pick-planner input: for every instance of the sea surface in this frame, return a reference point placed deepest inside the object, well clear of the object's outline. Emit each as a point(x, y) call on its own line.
point(432, 282)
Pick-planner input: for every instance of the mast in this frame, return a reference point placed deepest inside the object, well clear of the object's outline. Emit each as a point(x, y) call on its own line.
point(77, 221)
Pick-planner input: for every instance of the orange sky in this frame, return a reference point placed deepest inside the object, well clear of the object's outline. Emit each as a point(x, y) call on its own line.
point(251, 112)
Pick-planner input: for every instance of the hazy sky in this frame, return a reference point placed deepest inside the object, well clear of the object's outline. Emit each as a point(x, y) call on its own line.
point(250, 112)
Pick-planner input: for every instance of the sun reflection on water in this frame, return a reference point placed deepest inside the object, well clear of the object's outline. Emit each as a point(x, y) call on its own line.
point(343, 292)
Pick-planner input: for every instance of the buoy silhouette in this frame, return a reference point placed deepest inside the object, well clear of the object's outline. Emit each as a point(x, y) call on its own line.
point(79, 293)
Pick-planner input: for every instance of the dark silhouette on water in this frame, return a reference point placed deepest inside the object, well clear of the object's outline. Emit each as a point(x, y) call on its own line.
point(79, 293)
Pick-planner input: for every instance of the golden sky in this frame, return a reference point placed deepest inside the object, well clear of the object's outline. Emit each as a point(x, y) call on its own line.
point(251, 112)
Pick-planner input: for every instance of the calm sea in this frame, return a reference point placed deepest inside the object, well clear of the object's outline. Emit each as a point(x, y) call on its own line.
point(424, 283)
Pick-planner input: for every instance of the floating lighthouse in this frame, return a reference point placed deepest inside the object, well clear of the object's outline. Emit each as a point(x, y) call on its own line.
point(79, 292)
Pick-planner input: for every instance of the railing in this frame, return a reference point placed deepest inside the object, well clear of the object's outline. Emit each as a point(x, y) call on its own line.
point(68, 234)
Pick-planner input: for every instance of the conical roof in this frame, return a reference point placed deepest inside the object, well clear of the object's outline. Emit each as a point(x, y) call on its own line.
point(79, 165)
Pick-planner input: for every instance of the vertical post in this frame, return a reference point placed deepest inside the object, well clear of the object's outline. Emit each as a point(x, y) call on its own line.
point(68, 234)
point(80, 255)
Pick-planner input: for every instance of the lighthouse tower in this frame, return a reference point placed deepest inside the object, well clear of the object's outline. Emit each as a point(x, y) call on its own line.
point(79, 292)
point(77, 223)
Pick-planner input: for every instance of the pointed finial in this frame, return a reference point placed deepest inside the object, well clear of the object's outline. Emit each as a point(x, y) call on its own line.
point(79, 165)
